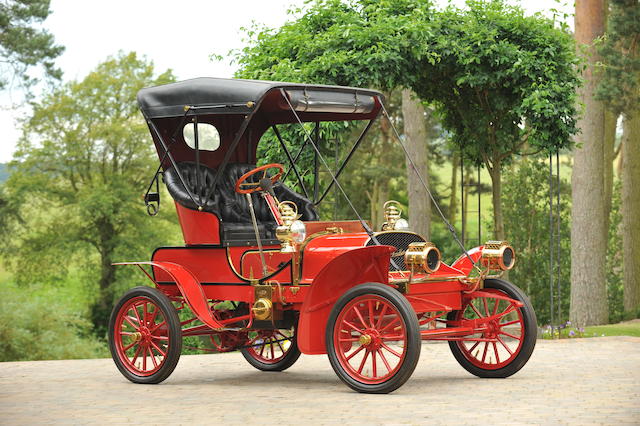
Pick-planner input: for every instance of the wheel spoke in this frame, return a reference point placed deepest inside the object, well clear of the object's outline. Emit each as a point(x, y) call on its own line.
point(510, 323)
point(352, 326)
point(144, 358)
point(126, 348)
point(384, 345)
point(384, 361)
point(272, 354)
point(373, 363)
point(505, 345)
point(153, 358)
point(397, 320)
point(476, 310)
point(357, 311)
point(354, 353)
point(484, 354)
point(371, 313)
point(364, 359)
point(381, 317)
point(135, 311)
point(350, 339)
point(158, 326)
point(392, 338)
point(495, 351)
point(136, 354)
point(496, 302)
point(486, 307)
point(144, 314)
point(128, 319)
point(158, 349)
point(474, 346)
point(510, 335)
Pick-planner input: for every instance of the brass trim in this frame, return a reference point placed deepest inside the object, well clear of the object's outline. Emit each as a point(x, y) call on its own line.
point(428, 279)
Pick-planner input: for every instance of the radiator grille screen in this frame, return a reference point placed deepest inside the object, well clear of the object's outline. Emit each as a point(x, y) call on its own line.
point(399, 240)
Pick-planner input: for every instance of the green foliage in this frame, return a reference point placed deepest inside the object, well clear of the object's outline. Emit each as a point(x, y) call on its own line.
point(83, 160)
point(620, 83)
point(35, 326)
point(23, 44)
point(526, 201)
point(500, 79)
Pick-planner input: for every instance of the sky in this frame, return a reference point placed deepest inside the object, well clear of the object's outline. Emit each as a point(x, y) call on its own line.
point(177, 35)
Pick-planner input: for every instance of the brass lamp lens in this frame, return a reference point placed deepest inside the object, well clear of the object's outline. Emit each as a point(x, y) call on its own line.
point(507, 257)
point(433, 260)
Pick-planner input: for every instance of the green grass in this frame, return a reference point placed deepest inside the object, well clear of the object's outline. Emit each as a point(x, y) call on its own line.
point(629, 328)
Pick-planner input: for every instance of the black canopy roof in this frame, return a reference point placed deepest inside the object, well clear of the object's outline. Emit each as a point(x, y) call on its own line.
point(224, 96)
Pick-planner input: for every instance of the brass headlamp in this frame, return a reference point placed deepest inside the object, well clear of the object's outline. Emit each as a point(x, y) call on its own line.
point(292, 231)
point(423, 256)
point(393, 217)
point(498, 255)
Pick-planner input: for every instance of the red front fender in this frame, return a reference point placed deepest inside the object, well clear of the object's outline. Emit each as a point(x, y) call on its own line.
point(362, 265)
point(189, 287)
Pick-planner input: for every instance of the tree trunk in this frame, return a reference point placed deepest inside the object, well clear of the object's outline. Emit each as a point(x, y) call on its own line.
point(610, 120)
point(101, 310)
point(631, 212)
point(496, 194)
point(415, 130)
point(453, 199)
point(588, 244)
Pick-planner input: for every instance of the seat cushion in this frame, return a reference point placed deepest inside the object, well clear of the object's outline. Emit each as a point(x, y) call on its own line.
point(232, 208)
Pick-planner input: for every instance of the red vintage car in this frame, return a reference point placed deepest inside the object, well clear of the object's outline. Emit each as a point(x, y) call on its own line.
point(261, 273)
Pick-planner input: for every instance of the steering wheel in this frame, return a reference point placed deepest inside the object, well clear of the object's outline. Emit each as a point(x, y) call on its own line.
point(244, 187)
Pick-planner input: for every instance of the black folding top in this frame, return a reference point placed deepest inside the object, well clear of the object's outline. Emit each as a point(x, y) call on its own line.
point(224, 96)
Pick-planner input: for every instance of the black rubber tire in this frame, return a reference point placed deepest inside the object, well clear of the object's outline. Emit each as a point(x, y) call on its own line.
point(530, 330)
point(175, 334)
point(287, 361)
point(413, 347)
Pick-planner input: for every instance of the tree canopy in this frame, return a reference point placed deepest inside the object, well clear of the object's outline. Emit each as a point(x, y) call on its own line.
point(23, 45)
point(78, 172)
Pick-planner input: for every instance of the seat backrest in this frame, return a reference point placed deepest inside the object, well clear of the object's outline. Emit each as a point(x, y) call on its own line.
point(226, 202)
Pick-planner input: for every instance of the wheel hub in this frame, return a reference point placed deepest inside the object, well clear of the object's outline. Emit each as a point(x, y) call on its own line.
point(136, 336)
point(365, 339)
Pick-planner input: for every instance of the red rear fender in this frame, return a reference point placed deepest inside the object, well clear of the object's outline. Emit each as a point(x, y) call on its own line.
point(361, 265)
point(189, 286)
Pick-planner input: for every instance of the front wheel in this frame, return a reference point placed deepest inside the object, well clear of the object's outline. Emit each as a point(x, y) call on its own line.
point(145, 337)
point(373, 338)
point(507, 334)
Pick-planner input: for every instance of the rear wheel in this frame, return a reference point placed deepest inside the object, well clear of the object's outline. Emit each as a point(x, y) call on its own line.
point(272, 350)
point(509, 335)
point(373, 338)
point(145, 338)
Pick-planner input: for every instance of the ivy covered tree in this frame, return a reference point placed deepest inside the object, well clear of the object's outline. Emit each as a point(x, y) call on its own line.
point(355, 43)
point(22, 44)
point(503, 83)
point(74, 190)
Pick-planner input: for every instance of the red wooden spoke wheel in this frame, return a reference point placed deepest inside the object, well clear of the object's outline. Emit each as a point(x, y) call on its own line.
point(373, 338)
point(144, 335)
point(272, 350)
point(506, 332)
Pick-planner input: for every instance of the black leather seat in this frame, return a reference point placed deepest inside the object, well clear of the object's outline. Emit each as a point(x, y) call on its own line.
point(232, 208)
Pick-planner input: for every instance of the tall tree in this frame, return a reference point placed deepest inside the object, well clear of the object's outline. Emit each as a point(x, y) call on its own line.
point(22, 44)
point(357, 43)
point(588, 242)
point(502, 81)
point(620, 89)
point(80, 166)
point(415, 130)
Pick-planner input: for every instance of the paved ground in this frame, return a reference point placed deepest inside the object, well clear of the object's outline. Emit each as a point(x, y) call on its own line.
point(581, 381)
